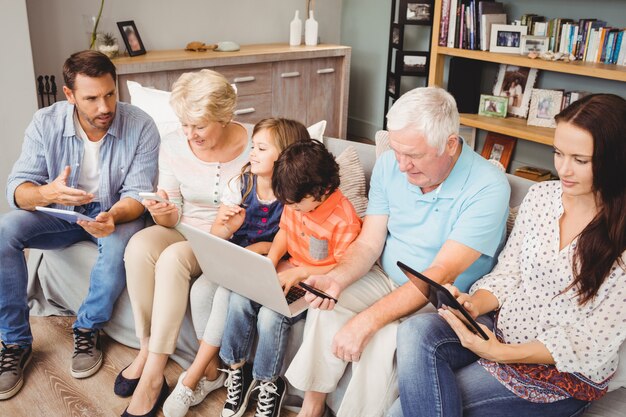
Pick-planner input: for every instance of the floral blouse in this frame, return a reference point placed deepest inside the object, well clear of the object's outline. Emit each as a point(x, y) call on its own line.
point(528, 282)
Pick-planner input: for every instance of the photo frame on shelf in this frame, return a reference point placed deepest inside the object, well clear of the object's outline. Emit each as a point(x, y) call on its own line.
point(499, 148)
point(544, 105)
point(493, 106)
point(395, 36)
point(414, 63)
point(516, 84)
point(419, 11)
point(392, 88)
point(132, 40)
point(469, 135)
point(506, 38)
point(538, 44)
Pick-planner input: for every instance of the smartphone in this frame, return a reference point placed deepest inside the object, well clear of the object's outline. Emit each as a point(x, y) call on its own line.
point(317, 292)
point(154, 197)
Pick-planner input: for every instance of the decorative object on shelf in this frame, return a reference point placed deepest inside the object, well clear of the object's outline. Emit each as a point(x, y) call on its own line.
point(295, 30)
point(419, 11)
point(493, 106)
point(533, 173)
point(499, 148)
point(537, 44)
point(310, 30)
point(107, 44)
point(197, 46)
point(414, 63)
point(506, 38)
point(132, 40)
point(516, 84)
point(544, 105)
point(552, 56)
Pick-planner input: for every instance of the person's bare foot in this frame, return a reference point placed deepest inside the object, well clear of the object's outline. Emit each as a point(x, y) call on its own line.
point(134, 370)
point(314, 404)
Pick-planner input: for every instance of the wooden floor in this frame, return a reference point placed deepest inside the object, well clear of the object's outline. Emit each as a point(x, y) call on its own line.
point(50, 391)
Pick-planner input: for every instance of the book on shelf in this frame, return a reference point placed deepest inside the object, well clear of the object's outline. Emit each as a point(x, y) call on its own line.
point(485, 28)
point(533, 173)
point(452, 23)
point(444, 24)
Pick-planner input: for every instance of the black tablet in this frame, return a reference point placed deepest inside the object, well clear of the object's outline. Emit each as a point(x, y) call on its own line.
point(440, 296)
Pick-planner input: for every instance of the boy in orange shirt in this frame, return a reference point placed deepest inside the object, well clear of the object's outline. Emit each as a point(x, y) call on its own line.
point(317, 226)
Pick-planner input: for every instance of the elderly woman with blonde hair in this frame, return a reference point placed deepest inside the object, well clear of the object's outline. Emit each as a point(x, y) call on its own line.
point(195, 164)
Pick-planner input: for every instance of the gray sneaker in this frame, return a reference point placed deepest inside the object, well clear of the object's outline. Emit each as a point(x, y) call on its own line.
point(87, 357)
point(13, 360)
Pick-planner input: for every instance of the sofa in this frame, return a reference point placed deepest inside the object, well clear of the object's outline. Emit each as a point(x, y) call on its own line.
point(58, 281)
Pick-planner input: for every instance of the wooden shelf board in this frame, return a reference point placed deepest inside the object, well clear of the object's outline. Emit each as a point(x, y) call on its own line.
point(588, 69)
point(510, 126)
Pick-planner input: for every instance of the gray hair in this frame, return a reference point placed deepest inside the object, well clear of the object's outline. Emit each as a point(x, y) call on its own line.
point(429, 110)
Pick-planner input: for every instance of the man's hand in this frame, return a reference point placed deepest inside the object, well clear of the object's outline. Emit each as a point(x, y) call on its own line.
point(101, 227)
point(351, 339)
point(324, 283)
point(58, 192)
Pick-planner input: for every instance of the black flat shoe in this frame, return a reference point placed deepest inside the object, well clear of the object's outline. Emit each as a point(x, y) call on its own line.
point(124, 387)
point(165, 391)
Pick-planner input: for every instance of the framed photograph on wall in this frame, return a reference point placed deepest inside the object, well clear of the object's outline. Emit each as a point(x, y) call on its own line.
point(515, 83)
point(419, 11)
point(507, 38)
point(132, 40)
point(544, 105)
point(499, 148)
point(538, 44)
point(493, 106)
point(395, 36)
point(415, 63)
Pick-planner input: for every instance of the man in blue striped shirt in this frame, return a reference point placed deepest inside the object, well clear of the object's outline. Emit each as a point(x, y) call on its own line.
point(92, 155)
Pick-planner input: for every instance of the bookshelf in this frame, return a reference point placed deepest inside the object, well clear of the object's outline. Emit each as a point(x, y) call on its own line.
point(512, 126)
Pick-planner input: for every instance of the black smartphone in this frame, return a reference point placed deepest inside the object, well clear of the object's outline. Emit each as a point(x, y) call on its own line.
point(440, 296)
point(317, 292)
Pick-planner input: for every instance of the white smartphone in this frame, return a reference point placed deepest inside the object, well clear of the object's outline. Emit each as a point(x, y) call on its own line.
point(153, 196)
point(68, 216)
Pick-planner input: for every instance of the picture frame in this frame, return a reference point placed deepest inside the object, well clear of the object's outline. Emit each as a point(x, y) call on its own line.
point(396, 40)
point(132, 40)
point(499, 148)
point(506, 38)
point(516, 84)
point(493, 106)
point(414, 63)
point(538, 44)
point(391, 84)
point(419, 11)
point(544, 105)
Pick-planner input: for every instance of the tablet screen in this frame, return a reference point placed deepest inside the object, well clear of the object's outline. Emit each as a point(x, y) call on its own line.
point(439, 296)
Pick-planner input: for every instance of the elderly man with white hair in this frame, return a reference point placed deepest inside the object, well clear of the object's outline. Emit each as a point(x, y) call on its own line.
point(434, 204)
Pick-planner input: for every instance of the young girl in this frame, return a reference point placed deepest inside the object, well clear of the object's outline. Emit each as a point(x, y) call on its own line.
point(248, 216)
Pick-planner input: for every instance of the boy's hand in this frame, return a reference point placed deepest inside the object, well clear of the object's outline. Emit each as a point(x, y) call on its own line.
point(290, 277)
point(328, 285)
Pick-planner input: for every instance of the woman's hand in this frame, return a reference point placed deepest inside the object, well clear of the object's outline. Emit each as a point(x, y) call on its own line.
point(157, 209)
point(464, 299)
point(488, 349)
point(292, 276)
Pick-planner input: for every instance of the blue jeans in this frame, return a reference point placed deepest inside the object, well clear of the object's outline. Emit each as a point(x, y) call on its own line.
point(245, 319)
point(20, 229)
point(439, 377)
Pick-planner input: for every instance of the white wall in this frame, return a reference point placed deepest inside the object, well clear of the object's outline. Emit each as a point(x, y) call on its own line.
point(57, 29)
point(18, 100)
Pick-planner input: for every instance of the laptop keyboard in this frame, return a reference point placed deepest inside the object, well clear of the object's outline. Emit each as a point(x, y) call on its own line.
point(294, 294)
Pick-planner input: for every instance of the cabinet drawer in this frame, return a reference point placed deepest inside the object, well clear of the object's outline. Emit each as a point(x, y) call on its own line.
point(251, 109)
point(249, 79)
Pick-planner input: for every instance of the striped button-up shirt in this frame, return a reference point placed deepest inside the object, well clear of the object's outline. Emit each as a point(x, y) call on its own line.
point(128, 156)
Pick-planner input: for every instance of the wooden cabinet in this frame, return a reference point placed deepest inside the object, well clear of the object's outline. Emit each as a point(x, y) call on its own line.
point(306, 83)
point(510, 125)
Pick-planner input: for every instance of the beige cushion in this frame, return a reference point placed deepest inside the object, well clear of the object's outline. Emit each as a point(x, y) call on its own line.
point(352, 179)
point(382, 142)
point(510, 220)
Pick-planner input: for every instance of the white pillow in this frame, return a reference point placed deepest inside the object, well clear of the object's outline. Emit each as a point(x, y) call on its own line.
point(316, 130)
point(157, 104)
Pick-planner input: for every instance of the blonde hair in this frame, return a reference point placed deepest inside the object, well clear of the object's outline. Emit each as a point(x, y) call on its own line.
point(203, 96)
point(430, 110)
point(283, 132)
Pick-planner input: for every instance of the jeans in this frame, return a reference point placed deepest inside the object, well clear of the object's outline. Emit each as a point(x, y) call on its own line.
point(245, 319)
point(20, 229)
point(439, 377)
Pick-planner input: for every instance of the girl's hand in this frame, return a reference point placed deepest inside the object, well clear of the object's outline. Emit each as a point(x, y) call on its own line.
point(230, 216)
point(487, 349)
point(292, 276)
point(158, 208)
point(464, 299)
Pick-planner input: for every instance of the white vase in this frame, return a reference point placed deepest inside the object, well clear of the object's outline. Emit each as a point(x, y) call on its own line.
point(310, 30)
point(295, 30)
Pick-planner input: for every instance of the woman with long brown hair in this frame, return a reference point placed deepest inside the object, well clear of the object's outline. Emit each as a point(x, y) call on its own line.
point(559, 290)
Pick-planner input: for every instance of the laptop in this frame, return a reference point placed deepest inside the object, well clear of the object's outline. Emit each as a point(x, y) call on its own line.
point(242, 271)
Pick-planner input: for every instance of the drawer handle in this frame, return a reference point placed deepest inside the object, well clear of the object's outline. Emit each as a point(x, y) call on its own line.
point(244, 111)
point(326, 71)
point(290, 74)
point(245, 79)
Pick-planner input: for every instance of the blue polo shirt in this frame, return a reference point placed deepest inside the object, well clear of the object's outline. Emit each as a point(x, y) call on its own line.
point(470, 207)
